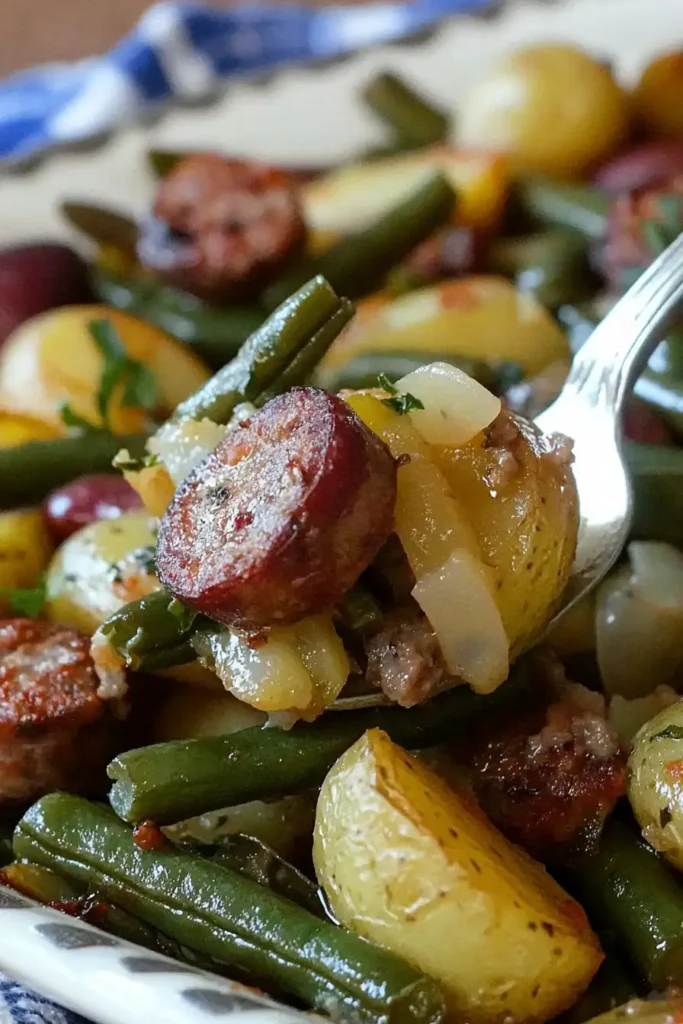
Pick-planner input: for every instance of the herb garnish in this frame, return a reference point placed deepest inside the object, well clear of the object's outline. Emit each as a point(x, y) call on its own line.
point(28, 601)
point(400, 401)
point(140, 385)
point(672, 732)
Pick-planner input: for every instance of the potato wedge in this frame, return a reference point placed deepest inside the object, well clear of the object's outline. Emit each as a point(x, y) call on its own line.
point(52, 359)
point(351, 197)
point(411, 864)
point(479, 317)
point(526, 525)
point(25, 549)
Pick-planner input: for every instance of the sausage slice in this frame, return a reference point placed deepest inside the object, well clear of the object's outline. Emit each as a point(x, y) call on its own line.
point(281, 519)
point(223, 228)
point(55, 732)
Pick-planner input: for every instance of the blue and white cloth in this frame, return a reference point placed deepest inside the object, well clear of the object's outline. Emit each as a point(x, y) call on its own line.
point(183, 50)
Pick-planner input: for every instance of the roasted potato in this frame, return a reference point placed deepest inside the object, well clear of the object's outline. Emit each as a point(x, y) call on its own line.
point(657, 97)
point(52, 359)
point(16, 430)
point(25, 550)
point(282, 824)
point(351, 197)
point(101, 568)
point(655, 786)
point(415, 866)
point(480, 317)
point(526, 521)
point(553, 109)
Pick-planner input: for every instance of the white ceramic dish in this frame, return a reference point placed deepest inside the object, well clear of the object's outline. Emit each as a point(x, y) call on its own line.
point(310, 115)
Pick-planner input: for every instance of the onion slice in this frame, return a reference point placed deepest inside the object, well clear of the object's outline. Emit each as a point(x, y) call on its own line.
point(639, 621)
point(456, 407)
point(466, 621)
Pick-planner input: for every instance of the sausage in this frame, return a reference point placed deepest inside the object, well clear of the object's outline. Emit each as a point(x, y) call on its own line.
point(223, 229)
point(55, 732)
point(404, 658)
point(281, 519)
point(549, 778)
point(627, 249)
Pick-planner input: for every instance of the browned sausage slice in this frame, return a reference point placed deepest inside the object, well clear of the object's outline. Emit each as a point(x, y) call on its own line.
point(223, 228)
point(282, 517)
point(55, 732)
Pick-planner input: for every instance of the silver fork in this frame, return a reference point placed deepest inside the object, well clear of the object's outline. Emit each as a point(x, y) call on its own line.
point(589, 410)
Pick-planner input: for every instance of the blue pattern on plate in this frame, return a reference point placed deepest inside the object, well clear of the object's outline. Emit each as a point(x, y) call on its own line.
point(19, 1006)
point(183, 50)
point(179, 50)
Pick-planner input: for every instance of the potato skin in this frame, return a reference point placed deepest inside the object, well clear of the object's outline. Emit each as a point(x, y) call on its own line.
point(416, 867)
point(99, 569)
point(655, 787)
point(25, 550)
point(520, 494)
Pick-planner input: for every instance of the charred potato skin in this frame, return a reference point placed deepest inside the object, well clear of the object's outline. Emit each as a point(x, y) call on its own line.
point(416, 867)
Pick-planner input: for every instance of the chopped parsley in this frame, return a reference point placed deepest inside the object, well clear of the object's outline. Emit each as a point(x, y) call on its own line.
point(401, 402)
point(28, 601)
point(139, 383)
point(672, 732)
point(127, 464)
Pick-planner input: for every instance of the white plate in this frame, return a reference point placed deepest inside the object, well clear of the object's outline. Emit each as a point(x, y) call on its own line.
point(310, 116)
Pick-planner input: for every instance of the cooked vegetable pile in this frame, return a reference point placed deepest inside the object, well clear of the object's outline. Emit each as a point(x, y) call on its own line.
point(279, 547)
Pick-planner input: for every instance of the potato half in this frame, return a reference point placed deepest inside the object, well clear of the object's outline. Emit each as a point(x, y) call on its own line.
point(526, 524)
point(416, 867)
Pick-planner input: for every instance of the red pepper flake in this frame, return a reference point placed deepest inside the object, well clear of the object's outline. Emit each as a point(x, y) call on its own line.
point(402, 460)
point(243, 519)
point(148, 836)
point(256, 640)
point(675, 770)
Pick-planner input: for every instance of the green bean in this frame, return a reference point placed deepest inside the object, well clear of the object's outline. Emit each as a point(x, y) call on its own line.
point(162, 161)
point(30, 471)
point(414, 121)
point(148, 636)
point(357, 264)
point(224, 915)
point(628, 890)
point(364, 369)
point(359, 611)
point(552, 265)
point(52, 889)
point(610, 987)
point(167, 782)
point(266, 355)
point(215, 334)
point(304, 363)
point(253, 858)
point(560, 204)
point(106, 227)
point(657, 479)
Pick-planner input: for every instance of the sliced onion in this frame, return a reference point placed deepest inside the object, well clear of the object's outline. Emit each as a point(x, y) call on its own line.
point(657, 571)
point(627, 716)
point(639, 621)
point(460, 606)
point(456, 407)
point(182, 446)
